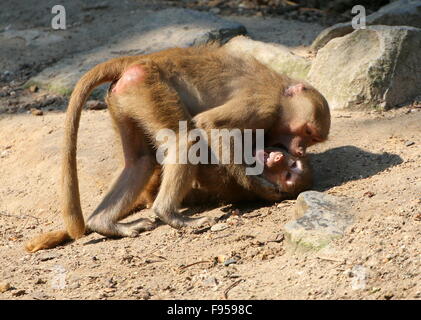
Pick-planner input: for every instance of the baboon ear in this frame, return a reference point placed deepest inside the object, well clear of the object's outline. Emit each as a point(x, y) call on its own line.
point(293, 90)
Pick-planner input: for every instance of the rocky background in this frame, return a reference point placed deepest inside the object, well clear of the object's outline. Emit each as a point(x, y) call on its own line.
point(355, 235)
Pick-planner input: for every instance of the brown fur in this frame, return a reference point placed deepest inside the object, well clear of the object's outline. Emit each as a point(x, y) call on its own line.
point(214, 185)
point(208, 88)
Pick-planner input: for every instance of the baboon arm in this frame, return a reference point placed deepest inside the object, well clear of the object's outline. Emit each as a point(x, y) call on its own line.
point(241, 113)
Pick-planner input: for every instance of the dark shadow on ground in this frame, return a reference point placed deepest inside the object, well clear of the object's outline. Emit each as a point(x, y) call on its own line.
point(342, 164)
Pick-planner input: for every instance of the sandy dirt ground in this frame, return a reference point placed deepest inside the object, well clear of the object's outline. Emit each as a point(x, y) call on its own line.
point(367, 158)
point(372, 157)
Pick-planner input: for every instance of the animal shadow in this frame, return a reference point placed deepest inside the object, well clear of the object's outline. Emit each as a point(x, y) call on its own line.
point(342, 164)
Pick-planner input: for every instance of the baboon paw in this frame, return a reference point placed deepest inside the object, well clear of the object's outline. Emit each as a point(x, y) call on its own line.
point(199, 222)
point(202, 222)
point(133, 234)
point(142, 225)
point(178, 222)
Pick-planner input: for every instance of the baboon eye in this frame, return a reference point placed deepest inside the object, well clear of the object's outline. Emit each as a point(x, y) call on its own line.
point(294, 164)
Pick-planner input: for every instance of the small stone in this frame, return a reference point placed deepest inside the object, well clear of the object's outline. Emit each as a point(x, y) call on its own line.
point(12, 93)
point(230, 261)
point(219, 227)
point(252, 215)
point(369, 194)
point(40, 281)
point(221, 258)
point(74, 285)
point(143, 294)
point(39, 296)
point(234, 220)
point(210, 282)
point(36, 112)
point(33, 88)
point(235, 212)
point(96, 105)
point(47, 256)
point(409, 143)
point(4, 287)
point(388, 295)
point(4, 154)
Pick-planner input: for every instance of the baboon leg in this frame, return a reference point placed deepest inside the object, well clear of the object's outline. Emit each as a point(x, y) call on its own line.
point(176, 180)
point(119, 200)
point(156, 105)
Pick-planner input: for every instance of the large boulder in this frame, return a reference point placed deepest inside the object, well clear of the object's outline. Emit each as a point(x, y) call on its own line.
point(275, 56)
point(398, 13)
point(376, 67)
point(154, 32)
point(319, 218)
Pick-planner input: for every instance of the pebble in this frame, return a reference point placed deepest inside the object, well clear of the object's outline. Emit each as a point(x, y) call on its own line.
point(33, 88)
point(234, 220)
point(143, 294)
point(74, 285)
point(96, 105)
point(47, 256)
point(210, 282)
point(388, 296)
point(409, 143)
point(4, 287)
point(219, 227)
point(4, 153)
point(40, 296)
point(230, 261)
point(36, 112)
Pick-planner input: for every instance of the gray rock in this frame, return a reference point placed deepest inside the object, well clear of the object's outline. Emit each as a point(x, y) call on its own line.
point(210, 282)
point(160, 30)
point(33, 37)
point(230, 261)
point(96, 105)
point(398, 13)
point(275, 56)
point(219, 227)
point(376, 67)
point(319, 219)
